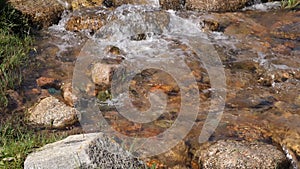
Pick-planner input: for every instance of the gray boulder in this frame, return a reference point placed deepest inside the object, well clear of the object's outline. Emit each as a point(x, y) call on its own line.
point(242, 154)
point(94, 150)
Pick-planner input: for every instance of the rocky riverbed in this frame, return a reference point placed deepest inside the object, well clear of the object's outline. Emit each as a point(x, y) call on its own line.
point(258, 48)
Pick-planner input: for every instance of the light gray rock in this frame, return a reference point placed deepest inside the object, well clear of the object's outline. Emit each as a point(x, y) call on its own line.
point(51, 112)
point(102, 73)
point(93, 150)
point(242, 154)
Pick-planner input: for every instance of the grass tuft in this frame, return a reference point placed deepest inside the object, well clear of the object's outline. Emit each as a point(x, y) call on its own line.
point(17, 140)
point(15, 44)
point(290, 4)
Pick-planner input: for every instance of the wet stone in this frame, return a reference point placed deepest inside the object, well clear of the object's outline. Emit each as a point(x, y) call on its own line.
point(87, 19)
point(287, 30)
point(282, 49)
point(172, 4)
point(43, 13)
point(50, 112)
point(108, 3)
point(48, 82)
point(217, 5)
point(135, 2)
point(211, 25)
point(67, 94)
point(284, 130)
point(177, 156)
point(114, 50)
point(102, 73)
point(204, 5)
point(77, 4)
point(241, 154)
point(269, 78)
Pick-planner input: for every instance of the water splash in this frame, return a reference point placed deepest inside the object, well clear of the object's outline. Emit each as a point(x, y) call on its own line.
point(154, 51)
point(263, 6)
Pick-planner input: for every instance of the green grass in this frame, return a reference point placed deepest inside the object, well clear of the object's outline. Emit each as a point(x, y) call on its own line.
point(290, 4)
point(13, 57)
point(14, 47)
point(18, 140)
point(12, 20)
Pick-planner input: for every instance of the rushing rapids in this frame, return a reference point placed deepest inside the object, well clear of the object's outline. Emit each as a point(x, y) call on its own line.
point(244, 67)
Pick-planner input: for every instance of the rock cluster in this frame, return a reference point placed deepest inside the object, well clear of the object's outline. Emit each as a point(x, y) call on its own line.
point(44, 13)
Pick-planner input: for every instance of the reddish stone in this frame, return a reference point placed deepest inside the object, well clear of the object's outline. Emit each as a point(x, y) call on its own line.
point(48, 82)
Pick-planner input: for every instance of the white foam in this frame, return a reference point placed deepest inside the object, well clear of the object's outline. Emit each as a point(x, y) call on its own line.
point(263, 6)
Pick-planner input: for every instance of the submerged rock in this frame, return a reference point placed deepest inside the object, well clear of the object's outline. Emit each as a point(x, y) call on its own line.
point(51, 112)
point(177, 157)
point(94, 150)
point(67, 94)
point(287, 29)
point(102, 73)
point(242, 154)
point(48, 82)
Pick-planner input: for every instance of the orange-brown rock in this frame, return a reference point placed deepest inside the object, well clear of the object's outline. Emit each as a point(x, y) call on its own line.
point(204, 5)
point(287, 29)
point(88, 19)
point(42, 13)
point(67, 94)
point(79, 4)
point(48, 82)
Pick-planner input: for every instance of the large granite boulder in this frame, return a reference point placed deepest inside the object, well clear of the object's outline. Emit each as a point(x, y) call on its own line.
point(94, 150)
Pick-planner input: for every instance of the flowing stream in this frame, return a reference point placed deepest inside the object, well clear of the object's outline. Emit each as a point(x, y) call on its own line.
point(244, 67)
